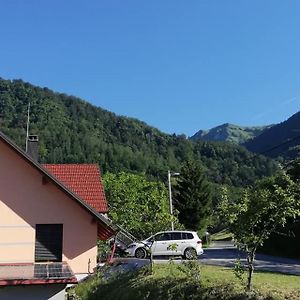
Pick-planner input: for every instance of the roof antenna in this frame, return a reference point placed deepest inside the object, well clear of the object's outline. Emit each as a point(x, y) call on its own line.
point(27, 129)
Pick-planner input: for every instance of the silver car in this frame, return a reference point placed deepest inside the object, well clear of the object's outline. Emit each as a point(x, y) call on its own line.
point(184, 243)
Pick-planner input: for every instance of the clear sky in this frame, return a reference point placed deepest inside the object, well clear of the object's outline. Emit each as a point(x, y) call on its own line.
point(180, 66)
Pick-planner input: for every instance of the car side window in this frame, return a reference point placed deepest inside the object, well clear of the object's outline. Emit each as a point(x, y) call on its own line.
point(176, 236)
point(163, 237)
point(157, 237)
point(187, 236)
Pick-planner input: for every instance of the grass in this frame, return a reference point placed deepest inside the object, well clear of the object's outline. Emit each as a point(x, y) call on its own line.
point(287, 286)
point(223, 235)
point(175, 282)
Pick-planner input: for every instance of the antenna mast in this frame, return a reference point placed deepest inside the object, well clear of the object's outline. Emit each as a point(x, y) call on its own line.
point(27, 129)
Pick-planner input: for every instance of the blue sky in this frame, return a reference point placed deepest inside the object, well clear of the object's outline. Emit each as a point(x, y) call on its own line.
point(180, 66)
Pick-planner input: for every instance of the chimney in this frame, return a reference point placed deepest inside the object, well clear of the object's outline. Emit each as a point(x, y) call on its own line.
point(32, 148)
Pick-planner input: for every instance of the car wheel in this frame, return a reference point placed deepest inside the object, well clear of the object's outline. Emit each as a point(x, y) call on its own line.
point(190, 253)
point(140, 253)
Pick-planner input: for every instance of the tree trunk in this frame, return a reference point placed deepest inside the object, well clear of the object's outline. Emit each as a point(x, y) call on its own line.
point(250, 259)
point(151, 259)
point(151, 262)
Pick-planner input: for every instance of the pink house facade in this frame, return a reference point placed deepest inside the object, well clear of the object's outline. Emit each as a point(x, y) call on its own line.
point(48, 229)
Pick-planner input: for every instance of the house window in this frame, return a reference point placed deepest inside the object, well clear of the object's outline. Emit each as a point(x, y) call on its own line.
point(48, 242)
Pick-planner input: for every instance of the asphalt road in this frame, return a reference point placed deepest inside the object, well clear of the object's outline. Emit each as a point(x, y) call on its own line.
point(225, 254)
point(220, 254)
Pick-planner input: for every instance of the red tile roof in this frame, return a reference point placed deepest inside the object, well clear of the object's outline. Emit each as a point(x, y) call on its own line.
point(84, 180)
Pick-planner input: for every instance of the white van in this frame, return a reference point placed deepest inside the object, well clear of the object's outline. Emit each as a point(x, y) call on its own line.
point(184, 243)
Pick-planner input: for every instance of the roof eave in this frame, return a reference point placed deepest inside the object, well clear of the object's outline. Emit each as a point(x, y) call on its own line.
point(39, 167)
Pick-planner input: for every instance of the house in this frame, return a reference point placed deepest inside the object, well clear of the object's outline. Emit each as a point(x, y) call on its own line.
point(50, 219)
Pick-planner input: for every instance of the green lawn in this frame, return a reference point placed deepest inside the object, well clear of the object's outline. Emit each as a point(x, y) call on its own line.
point(223, 235)
point(172, 281)
point(264, 282)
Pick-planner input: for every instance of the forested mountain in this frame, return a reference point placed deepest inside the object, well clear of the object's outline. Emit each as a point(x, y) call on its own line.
point(72, 130)
point(280, 140)
point(229, 133)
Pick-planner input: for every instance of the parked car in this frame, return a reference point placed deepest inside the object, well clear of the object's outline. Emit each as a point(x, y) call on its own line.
point(184, 243)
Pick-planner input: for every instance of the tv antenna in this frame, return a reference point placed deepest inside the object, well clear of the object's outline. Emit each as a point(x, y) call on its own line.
point(27, 128)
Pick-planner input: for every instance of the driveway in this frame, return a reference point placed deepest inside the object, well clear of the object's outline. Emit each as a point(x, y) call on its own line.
point(225, 254)
point(219, 254)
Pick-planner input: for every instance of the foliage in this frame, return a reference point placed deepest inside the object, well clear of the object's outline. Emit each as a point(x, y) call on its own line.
point(167, 283)
point(293, 169)
point(223, 235)
point(286, 241)
point(104, 250)
point(259, 212)
point(137, 204)
point(73, 131)
point(219, 221)
point(239, 270)
point(191, 269)
point(280, 140)
point(193, 197)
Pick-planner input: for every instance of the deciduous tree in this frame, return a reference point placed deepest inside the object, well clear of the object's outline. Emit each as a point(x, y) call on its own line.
point(260, 211)
point(137, 204)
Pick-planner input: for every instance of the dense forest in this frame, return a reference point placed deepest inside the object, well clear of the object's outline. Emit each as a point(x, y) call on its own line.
point(72, 130)
point(281, 140)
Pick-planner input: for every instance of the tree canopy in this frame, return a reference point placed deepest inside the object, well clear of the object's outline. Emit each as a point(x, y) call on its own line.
point(262, 209)
point(137, 204)
point(193, 197)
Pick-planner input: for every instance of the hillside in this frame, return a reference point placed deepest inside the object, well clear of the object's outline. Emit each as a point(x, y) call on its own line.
point(72, 130)
point(280, 140)
point(229, 133)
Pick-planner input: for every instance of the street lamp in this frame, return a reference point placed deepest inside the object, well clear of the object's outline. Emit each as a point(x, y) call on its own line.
point(170, 195)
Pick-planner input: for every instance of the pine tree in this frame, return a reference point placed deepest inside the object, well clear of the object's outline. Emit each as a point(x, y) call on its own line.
point(192, 197)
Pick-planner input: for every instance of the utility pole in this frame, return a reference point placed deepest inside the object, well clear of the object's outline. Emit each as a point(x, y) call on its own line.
point(170, 196)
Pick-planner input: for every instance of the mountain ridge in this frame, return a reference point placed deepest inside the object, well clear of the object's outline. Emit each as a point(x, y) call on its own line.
point(228, 132)
point(282, 139)
point(72, 130)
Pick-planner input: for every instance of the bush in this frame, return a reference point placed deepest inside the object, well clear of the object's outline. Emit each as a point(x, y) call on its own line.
point(179, 284)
